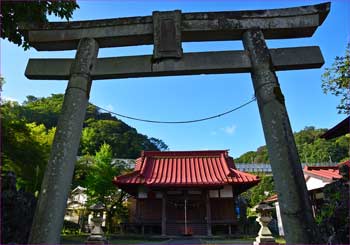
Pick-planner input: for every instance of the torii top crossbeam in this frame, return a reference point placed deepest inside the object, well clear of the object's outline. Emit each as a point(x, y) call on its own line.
point(206, 26)
point(167, 30)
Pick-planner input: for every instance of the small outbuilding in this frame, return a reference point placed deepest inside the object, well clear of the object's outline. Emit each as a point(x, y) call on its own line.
point(316, 178)
point(184, 192)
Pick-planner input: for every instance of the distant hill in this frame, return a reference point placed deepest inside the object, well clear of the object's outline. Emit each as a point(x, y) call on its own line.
point(99, 127)
point(312, 149)
point(28, 130)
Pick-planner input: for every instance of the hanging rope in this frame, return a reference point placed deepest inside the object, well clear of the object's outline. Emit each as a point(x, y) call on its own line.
point(179, 122)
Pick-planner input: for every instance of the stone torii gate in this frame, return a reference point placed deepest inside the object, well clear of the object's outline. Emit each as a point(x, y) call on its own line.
point(167, 31)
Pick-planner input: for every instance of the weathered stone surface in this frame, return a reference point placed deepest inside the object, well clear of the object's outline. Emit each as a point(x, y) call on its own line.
point(210, 26)
point(299, 225)
point(191, 64)
point(49, 214)
point(167, 34)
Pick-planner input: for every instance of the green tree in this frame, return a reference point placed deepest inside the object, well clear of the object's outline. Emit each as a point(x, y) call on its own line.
point(99, 184)
point(311, 148)
point(25, 147)
point(308, 135)
point(99, 127)
point(336, 80)
point(260, 192)
point(341, 151)
point(158, 144)
point(262, 155)
point(258, 156)
point(125, 141)
point(13, 13)
point(43, 110)
point(248, 157)
point(81, 171)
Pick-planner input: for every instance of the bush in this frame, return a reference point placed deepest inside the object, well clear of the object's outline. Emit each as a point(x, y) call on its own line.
point(260, 192)
point(70, 227)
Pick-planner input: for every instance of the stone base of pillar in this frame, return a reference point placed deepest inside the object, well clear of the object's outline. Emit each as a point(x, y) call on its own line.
point(264, 240)
point(96, 239)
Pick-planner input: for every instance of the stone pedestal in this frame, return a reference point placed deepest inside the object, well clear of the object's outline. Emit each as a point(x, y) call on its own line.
point(97, 235)
point(264, 218)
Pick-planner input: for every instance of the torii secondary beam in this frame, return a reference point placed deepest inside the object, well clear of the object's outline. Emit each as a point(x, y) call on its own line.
point(190, 64)
point(213, 26)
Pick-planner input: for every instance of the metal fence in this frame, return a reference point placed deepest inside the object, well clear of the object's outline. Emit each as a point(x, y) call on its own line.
point(245, 167)
point(266, 167)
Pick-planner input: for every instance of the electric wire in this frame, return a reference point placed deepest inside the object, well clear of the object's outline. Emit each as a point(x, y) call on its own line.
point(179, 122)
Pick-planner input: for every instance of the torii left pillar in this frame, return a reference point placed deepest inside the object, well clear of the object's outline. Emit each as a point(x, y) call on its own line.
point(50, 210)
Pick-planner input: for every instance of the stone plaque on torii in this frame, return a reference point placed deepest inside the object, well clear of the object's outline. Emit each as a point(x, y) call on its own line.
point(167, 30)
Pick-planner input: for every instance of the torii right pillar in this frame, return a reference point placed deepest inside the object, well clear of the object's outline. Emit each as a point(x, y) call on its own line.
point(299, 224)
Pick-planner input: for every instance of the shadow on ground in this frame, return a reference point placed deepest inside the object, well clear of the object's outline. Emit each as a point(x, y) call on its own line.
point(80, 239)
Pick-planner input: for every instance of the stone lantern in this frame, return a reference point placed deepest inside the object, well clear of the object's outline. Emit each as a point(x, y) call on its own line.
point(264, 217)
point(97, 235)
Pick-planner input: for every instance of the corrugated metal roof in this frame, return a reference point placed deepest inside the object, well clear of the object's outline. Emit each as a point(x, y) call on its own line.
point(185, 168)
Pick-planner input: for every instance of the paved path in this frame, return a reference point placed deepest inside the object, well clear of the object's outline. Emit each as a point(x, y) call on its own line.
point(184, 241)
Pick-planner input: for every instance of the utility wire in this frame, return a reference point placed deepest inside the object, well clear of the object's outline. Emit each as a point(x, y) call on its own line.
point(179, 122)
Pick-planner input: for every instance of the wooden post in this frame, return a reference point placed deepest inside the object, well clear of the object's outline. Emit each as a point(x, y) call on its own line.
point(300, 227)
point(207, 202)
point(185, 206)
point(138, 217)
point(164, 199)
point(122, 228)
point(50, 210)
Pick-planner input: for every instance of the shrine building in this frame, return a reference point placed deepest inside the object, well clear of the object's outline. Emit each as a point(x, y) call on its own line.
point(184, 192)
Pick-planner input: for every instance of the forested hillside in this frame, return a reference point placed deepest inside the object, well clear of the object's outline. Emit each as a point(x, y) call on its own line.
point(99, 128)
point(312, 149)
point(28, 130)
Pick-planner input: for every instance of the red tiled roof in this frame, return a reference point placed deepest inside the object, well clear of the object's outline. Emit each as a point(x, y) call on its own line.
point(327, 172)
point(185, 168)
point(271, 199)
point(347, 162)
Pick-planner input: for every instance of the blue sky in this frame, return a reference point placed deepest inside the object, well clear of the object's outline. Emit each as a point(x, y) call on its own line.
point(192, 97)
